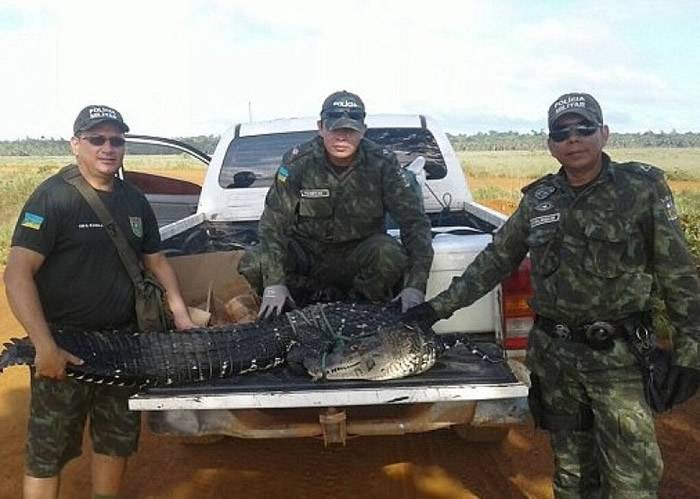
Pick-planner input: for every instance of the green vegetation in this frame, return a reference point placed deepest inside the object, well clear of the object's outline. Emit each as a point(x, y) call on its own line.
point(57, 147)
point(679, 164)
point(537, 140)
point(161, 163)
point(482, 141)
point(19, 176)
point(492, 192)
point(17, 181)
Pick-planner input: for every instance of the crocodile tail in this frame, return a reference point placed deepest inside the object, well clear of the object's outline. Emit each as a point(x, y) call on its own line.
point(19, 351)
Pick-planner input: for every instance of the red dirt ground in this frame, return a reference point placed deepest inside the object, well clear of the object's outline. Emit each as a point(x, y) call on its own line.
point(435, 465)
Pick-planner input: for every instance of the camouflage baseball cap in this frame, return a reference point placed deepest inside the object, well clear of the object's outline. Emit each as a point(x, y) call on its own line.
point(343, 109)
point(91, 116)
point(581, 104)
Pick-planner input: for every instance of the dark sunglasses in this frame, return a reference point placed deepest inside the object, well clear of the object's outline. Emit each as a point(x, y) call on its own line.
point(562, 134)
point(353, 115)
point(99, 140)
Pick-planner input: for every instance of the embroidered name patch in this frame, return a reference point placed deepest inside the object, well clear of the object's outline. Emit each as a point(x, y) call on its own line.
point(315, 193)
point(32, 220)
point(545, 219)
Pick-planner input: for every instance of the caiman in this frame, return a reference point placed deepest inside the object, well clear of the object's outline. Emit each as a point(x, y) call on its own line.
point(329, 341)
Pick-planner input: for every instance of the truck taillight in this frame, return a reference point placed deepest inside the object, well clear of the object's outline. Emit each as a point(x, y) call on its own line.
point(517, 314)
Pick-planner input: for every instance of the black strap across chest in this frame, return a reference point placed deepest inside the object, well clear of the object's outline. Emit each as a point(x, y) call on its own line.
point(72, 175)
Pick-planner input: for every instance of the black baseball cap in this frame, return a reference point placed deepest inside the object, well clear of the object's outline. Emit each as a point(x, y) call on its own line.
point(343, 109)
point(581, 104)
point(91, 116)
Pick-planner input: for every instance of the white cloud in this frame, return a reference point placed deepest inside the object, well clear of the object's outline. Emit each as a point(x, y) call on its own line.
point(187, 67)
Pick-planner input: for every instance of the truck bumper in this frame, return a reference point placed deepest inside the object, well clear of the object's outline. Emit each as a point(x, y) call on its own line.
point(282, 409)
point(335, 424)
point(334, 416)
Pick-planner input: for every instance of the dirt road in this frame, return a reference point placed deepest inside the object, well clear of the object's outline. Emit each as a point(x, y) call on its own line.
point(432, 466)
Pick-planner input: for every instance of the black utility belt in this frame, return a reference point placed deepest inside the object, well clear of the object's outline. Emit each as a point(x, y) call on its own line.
point(598, 335)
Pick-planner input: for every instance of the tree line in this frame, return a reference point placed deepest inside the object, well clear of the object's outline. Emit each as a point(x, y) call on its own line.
point(61, 147)
point(537, 140)
point(482, 141)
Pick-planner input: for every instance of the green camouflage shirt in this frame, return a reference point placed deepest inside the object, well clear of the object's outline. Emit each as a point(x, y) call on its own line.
point(594, 253)
point(312, 203)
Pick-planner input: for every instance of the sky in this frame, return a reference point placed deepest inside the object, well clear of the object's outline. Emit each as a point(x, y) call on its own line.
point(193, 67)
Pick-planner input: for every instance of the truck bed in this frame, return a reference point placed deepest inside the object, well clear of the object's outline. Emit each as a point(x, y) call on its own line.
point(458, 375)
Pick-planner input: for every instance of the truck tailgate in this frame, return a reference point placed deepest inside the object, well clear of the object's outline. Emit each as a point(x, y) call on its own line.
point(458, 375)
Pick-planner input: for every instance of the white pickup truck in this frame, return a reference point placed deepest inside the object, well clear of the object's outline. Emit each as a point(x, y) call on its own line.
point(480, 390)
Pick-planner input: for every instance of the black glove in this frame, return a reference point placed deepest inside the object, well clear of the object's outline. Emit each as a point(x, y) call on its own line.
point(424, 315)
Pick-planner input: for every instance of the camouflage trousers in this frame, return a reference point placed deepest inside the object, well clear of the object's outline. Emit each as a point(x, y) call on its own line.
point(618, 457)
point(57, 415)
point(371, 268)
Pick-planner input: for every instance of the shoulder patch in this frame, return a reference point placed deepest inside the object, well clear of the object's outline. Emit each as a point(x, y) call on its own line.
point(282, 174)
point(32, 220)
point(540, 181)
point(296, 152)
point(374, 149)
point(642, 169)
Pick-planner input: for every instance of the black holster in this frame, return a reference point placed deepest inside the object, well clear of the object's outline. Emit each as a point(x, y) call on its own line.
point(556, 421)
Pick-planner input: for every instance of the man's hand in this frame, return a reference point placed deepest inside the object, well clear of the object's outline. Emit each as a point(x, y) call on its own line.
point(273, 300)
point(424, 315)
point(409, 297)
point(182, 320)
point(184, 323)
point(51, 361)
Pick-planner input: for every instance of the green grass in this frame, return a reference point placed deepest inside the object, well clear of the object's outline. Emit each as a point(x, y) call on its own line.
point(679, 164)
point(493, 192)
point(133, 162)
point(19, 176)
point(162, 162)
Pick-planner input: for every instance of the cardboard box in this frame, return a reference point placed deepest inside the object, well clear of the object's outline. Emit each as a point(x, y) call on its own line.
point(211, 283)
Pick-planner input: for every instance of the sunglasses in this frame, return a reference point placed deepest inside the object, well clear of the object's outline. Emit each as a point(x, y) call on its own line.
point(99, 140)
point(562, 134)
point(353, 115)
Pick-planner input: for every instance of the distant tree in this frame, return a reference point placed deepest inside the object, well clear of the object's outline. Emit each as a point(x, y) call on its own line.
point(492, 140)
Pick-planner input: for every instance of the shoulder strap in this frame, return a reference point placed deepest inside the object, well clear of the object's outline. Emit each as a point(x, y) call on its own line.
point(72, 175)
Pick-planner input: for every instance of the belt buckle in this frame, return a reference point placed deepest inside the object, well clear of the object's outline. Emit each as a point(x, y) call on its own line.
point(600, 335)
point(599, 330)
point(562, 331)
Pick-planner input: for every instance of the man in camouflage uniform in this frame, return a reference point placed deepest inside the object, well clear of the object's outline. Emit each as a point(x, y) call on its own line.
point(323, 233)
point(63, 269)
point(599, 234)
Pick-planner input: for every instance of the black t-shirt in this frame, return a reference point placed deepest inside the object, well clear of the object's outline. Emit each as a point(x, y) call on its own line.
point(83, 281)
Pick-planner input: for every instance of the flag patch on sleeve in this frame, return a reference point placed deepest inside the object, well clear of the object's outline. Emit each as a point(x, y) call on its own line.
point(282, 174)
point(32, 220)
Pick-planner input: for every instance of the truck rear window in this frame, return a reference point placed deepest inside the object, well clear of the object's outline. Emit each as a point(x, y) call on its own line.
point(253, 161)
